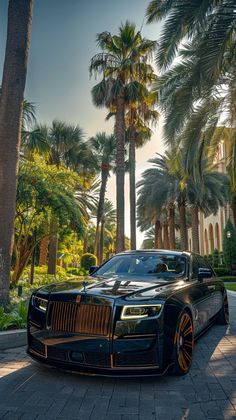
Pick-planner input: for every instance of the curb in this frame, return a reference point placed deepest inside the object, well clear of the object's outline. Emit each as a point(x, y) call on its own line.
point(231, 293)
point(13, 338)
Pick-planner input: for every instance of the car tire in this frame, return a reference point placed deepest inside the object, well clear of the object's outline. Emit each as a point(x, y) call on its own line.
point(183, 344)
point(223, 316)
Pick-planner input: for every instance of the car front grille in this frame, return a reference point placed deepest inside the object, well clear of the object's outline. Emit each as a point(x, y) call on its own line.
point(72, 317)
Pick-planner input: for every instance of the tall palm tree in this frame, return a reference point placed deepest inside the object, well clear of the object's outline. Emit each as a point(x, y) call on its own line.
point(140, 114)
point(103, 147)
point(122, 60)
point(11, 103)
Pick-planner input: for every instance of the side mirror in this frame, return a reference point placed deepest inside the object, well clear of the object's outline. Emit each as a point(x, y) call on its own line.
point(204, 273)
point(92, 269)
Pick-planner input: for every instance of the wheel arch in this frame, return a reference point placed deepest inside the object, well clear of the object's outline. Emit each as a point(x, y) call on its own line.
point(173, 309)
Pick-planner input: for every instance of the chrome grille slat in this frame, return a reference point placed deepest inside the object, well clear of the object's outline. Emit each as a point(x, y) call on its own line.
point(79, 318)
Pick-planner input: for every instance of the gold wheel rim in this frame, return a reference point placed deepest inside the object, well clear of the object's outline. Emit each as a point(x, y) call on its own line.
point(184, 342)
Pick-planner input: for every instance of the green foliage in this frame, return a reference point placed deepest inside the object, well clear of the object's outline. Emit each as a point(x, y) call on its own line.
point(230, 279)
point(15, 316)
point(229, 244)
point(210, 259)
point(40, 274)
point(221, 271)
point(87, 260)
point(231, 287)
point(216, 258)
point(75, 271)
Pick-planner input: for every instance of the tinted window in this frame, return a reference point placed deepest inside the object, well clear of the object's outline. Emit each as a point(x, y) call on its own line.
point(148, 264)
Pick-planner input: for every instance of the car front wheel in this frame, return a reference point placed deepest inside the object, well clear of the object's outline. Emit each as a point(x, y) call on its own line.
point(183, 344)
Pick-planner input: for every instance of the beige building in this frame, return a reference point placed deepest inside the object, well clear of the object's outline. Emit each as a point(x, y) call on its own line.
point(211, 228)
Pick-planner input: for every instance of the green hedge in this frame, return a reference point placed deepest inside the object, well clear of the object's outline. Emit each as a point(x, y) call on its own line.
point(231, 279)
point(221, 271)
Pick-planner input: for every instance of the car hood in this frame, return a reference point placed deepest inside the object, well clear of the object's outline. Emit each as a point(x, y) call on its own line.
point(115, 287)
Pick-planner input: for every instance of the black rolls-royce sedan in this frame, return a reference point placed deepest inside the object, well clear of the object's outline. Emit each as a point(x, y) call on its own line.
point(140, 315)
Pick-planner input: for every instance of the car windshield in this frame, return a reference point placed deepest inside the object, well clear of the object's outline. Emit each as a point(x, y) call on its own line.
point(151, 265)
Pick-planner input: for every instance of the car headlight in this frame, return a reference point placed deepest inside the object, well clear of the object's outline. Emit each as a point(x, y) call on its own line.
point(40, 303)
point(140, 311)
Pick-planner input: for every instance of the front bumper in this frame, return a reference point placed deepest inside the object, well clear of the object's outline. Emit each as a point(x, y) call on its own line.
point(95, 340)
point(93, 355)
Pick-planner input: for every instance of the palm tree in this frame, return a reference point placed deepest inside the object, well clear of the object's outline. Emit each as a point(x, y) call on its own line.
point(206, 194)
point(11, 103)
point(63, 145)
point(139, 115)
point(108, 218)
point(196, 90)
point(122, 61)
point(103, 147)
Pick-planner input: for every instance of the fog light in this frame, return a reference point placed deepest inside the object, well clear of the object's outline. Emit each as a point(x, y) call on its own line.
point(77, 356)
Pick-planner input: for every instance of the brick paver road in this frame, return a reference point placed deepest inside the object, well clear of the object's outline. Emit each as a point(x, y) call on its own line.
point(31, 391)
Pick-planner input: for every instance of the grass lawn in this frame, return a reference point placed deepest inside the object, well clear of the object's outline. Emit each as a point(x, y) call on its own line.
point(231, 287)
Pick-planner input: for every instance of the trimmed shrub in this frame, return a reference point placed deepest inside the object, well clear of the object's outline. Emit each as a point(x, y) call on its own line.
point(229, 244)
point(216, 258)
point(87, 260)
point(221, 271)
point(231, 279)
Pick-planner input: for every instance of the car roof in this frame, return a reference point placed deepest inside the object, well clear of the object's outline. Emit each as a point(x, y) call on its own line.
point(158, 251)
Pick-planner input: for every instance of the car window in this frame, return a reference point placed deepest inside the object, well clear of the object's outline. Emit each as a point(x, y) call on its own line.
point(151, 265)
point(204, 264)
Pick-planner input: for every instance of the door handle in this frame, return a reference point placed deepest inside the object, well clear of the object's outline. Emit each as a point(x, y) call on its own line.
point(211, 288)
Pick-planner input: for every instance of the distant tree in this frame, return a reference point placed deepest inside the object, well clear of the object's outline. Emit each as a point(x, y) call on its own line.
point(42, 190)
point(104, 148)
point(229, 244)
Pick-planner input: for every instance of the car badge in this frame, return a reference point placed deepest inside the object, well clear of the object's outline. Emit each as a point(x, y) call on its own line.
point(85, 283)
point(78, 299)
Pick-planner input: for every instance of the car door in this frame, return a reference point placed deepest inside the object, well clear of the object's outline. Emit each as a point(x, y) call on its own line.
point(204, 300)
point(216, 295)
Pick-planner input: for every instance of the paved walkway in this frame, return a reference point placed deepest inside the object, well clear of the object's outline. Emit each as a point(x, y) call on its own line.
point(31, 391)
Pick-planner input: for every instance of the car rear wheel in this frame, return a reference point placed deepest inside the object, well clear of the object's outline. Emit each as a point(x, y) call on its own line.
point(183, 344)
point(223, 316)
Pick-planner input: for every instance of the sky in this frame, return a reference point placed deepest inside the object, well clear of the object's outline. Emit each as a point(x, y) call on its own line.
point(63, 41)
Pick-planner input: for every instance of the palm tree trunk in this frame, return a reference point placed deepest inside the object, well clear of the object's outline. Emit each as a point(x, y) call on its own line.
point(43, 253)
point(159, 239)
point(120, 173)
point(11, 101)
point(53, 243)
point(105, 173)
point(85, 244)
point(166, 236)
point(157, 234)
point(132, 189)
point(100, 257)
point(183, 225)
point(195, 228)
point(172, 226)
